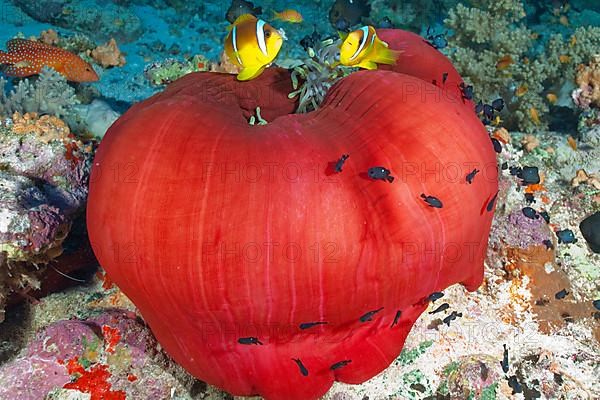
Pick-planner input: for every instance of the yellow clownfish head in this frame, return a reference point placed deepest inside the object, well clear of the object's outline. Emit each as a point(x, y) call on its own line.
point(357, 45)
point(362, 48)
point(252, 44)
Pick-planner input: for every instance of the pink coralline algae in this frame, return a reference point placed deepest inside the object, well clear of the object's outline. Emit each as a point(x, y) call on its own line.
point(101, 356)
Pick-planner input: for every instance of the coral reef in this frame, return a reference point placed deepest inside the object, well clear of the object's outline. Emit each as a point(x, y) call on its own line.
point(43, 175)
point(409, 15)
point(108, 55)
point(169, 70)
point(105, 356)
point(103, 20)
point(588, 80)
point(502, 57)
point(94, 119)
point(48, 94)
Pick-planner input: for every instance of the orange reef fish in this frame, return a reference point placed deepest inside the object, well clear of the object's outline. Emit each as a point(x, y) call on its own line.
point(362, 48)
point(552, 98)
point(572, 142)
point(291, 16)
point(563, 58)
point(27, 57)
point(504, 63)
point(521, 90)
point(535, 117)
point(252, 45)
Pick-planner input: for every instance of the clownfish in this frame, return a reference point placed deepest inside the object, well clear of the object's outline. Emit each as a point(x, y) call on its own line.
point(252, 45)
point(362, 48)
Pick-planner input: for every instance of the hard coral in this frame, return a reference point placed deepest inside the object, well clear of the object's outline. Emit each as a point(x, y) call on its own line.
point(48, 94)
point(46, 127)
point(108, 55)
point(501, 57)
point(588, 80)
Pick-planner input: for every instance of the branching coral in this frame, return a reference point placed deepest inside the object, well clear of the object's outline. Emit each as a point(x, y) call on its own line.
point(501, 57)
point(588, 80)
point(49, 94)
point(312, 79)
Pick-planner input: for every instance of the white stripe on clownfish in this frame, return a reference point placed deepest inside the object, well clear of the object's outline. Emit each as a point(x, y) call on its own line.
point(234, 42)
point(365, 30)
point(260, 36)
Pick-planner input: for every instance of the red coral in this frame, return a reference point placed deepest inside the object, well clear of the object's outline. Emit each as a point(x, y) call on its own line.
point(93, 381)
point(111, 337)
point(258, 272)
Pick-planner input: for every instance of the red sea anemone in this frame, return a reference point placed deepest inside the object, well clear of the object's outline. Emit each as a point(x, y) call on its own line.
point(261, 270)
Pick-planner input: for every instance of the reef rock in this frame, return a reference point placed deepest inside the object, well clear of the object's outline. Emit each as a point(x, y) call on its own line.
point(102, 357)
point(44, 184)
point(588, 79)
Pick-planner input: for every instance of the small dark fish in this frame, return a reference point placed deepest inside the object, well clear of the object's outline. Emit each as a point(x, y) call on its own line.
point(249, 340)
point(441, 308)
point(486, 109)
point(515, 171)
point(435, 296)
point(369, 316)
point(596, 304)
point(380, 173)
point(346, 13)
point(339, 364)
point(530, 213)
point(515, 385)
point(386, 23)
point(418, 387)
point(432, 201)
point(504, 166)
point(566, 236)
point(546, 216)
point(466, 91)
point(504, 362)
point(471, 175)
point(241, 7)
point(497, 145)
point(340, 163)
point(451, 317)
point(397, 318)
point(548, 244)
point(498, 104)
point(561, 294)
point(437, 41)
point(311, 41)
point(529, 198)
point(444, 77)
point(301, 366)
point(307, 325)
point(590, 230)
point(529, 175)
point(490, 205)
